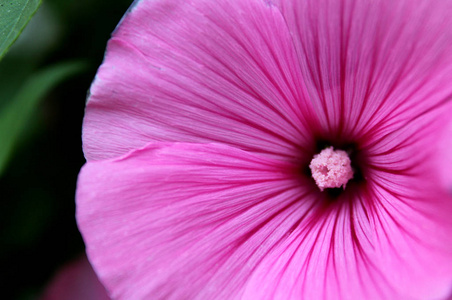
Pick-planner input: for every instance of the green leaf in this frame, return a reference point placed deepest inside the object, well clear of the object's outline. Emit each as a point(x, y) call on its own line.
point(14, 116)
point(14, 15)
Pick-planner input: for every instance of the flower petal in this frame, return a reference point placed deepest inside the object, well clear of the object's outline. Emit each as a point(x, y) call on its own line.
point(213, 222)
point(373, 67)
point(373, 246)
point(413, 226)
point(419, 155)
point(199, 71)
point(185, 221)
point(443, 157)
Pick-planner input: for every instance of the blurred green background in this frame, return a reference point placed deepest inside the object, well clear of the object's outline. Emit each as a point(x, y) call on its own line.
point(54, 60)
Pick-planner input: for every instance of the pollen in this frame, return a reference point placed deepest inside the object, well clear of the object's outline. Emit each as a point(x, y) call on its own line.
point(331, 168)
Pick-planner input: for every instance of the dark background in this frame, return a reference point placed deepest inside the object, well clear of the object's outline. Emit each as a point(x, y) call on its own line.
point(38, 232)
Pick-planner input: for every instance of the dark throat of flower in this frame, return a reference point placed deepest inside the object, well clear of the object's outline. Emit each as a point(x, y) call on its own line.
point(336, 169)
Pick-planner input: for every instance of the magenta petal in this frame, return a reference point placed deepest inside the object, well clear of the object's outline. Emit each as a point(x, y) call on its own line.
point(443, 157)
point(188, 221)
point(387, 243)
point(199, 71)
point(185, 221)
point(372, 67)
point(76, 281)
point(412, 226)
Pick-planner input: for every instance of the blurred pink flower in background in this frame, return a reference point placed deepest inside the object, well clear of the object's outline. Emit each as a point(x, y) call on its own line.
point(75, 281)
point(201, 126)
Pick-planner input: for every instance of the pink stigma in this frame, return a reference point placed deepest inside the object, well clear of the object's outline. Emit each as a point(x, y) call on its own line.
point(331, 168)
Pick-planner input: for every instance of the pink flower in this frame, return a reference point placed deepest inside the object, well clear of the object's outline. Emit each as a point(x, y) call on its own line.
point(201, 126)
point(76, 281)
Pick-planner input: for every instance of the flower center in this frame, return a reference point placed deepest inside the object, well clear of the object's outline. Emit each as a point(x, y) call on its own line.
point(331, 168)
